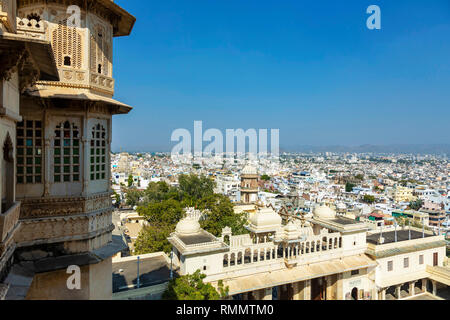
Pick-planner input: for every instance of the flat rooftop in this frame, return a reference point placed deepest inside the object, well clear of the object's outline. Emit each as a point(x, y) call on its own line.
point(199, 238)
point(152, 271)
point(345, 221)
point(402, 235)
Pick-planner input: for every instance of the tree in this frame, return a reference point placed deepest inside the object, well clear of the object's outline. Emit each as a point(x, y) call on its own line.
point(220, 214)
point(159, 191)
point(117, 198)
point(133, 197)
point(192, 287)
point(265, 177)
point(193, 188)
point(349, 187)
point(368, 199)
point(416, 205)
point(166, 212)
point(153, 239)
point(130, 181)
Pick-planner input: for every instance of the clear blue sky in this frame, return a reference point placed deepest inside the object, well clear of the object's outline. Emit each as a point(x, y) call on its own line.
point(309, 68)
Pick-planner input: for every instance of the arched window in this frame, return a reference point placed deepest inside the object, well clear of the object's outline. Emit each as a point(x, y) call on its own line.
point(29, 152)
point(67, 61)
point(67, 153)
point(98, 153)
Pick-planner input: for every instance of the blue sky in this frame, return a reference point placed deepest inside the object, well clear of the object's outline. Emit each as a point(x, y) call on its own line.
point(309, 68)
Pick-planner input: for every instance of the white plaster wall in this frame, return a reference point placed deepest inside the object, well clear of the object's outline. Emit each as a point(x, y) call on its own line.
point(213, 263)
point(360, 281)
point(382, 272)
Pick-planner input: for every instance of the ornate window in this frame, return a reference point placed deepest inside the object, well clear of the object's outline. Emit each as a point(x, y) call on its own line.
point(67, 153)
point(29, 152)
point(98, 153)
point(67, 46)
point(100, 56)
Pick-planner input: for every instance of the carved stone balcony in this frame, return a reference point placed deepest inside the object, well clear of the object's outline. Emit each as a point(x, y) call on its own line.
point(31, 28)
point(83, 79)
point(8, 14)
point(8, 221)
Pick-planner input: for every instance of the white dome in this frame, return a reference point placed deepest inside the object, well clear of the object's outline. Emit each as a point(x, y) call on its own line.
point(249, 170)
point(188, 226)
point(265, 218)
point(324, 212)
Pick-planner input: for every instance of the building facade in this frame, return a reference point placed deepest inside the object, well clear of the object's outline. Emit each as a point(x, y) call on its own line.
point(62, 139)
point(324, 257)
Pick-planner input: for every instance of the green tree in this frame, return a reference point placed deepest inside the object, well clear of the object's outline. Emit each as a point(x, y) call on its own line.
point(133, 197)
point(220, 214)
point(166, 212)
point(265, 177)
point(193, 188)
point(416, 205)
point(368, 199)
point(154, 239)
point(159, 191)
point(130, 181)
point(192, 287)
point(349, 187)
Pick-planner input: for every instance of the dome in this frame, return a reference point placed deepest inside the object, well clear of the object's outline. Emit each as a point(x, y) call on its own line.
point(265, 218)
point(188, 226)
point(249, 170)
point(324, 212)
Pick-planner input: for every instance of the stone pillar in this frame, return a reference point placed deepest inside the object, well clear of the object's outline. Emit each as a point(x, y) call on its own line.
point(47, 154)
point(383, 294)
point(340, 287)
point(329, 289)
point(245, 296)
point(108, 155)
point(307, 290)
point(296, 291)
point(424, 285)
point(434, 287)
point(266, 294)
point(398, 292)
point(411, 288)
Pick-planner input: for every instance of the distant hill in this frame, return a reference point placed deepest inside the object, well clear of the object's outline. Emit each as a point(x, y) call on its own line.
point(367, 148)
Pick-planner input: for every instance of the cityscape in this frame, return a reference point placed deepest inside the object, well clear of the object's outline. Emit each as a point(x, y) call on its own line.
point(105, 197)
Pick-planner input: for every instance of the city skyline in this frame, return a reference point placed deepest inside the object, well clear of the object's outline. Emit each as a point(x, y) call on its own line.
point(314, 71)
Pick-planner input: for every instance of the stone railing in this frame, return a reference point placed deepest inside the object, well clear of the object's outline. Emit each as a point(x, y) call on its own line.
point(8, 14)
point(9, 220)
point(102, 83)
point(313, 247)
point(31, 28)
point(83, 79)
